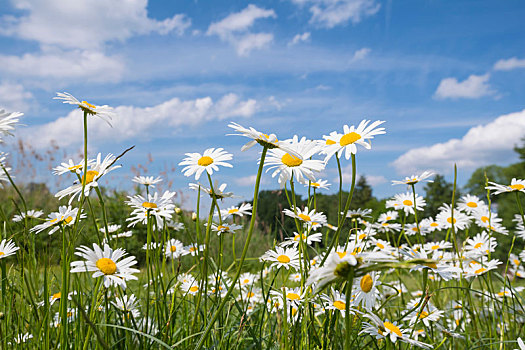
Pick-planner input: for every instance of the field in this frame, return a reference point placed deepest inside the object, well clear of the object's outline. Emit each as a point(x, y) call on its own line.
point(105, 270)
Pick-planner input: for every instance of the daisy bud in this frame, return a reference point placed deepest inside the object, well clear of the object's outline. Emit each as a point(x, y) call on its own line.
point(178, 211)
point(194, 216)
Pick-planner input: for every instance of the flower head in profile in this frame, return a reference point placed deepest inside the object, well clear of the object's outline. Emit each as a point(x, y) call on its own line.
point(351, 137)
point(318, 184)
point(128, 304)
point(105, 262)
point(208, 161)
point(217, 191)
point(104, 112)
point(159, 207)
point(7, 248)
point(300, 167)
point(336, 266)
point(32, 214)
point(6, 170)
point(515, 185)
point(71, 167)
point(66, 216)
point(311, 218)
point(414, 179)
point(147, 180)
point(7, 122)
point(269, 141)
point(243, 209)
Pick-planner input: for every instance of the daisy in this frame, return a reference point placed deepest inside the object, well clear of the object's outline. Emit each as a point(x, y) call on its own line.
point(444, 218)
point(247, 279)
point(405, 201)
point(486, 219)
point(387, 226)
point(105, 262)
point(98, 169)
point(190, 287)
point(480, 245)
point(414, 179)
point(160, 208)
point(243, 209)
point(66, 216)
point(251, 295)
point(147, 180)
point(476, 269)
point(359, 213)
point(309, 217)
point(22, 338)
point(515, 185)
point(429, 225)
point(7, 120)
point(335, 267)
point(225, 228)
point(433, 246)
point(300, 167)
point(367, 292)
point(177, 226)
point(32, 214)
point(318, 184)
point(469, 203)
point(412, 229)
point(111, 228)
point(209, 161)
point(269, 141)
point(174, 249)
point(296, 239)
point(72, 167)
point(351, 136)
point(104, 112)
point(7, 248)
point(337, 301)
point(429, 314)
point(388, 216)
point(295, 277)
point(128, 304)
point(216, 191)
point(194, 249)
point(282, 257)
point(294, 297)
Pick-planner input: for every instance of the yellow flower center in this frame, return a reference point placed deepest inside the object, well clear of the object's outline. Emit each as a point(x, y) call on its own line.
point(283, 259)
point(423, 314)
point(330, 142)
point(234, 210)
point(223, 228)
point(89, 105)
point(366, 283)
point(478, 245)
point(298, 237)
point(290, 160)
point(349, 138)
point(484, 219)
point(205, 161)
point(149, 205)
point(380, 245)
point(192, 249)
point(517, 187)
point(107, 266)
point(90, 175)
point(407, 202)
point(56, 296)
point(341, 254)
point(339, 304)
point(250, 295)
point(304, 217)
point(481, 270)
point(362, 236)
point(516, 262)
point(393, 328)
point(472, 204)
point(434, 247)
point(434, 224)
point(389, 218)
point(246, 281)
point(193, 289)
point(432, 265)
point(74, 167)
point(315, 184)
point(449, 220)
point(293, 296)
point(173, 248)
point(385, 224)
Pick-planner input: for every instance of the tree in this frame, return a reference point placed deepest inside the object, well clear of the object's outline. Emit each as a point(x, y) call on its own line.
point(362, 194)
point(437, 193)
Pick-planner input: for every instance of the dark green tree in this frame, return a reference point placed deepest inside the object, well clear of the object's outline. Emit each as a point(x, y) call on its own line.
point(437, 193)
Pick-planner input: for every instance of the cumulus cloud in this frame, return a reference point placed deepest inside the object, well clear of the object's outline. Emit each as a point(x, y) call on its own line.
point(510, 64)
point(330, 13)
point(61, 65)
point(235, 29)
point(300, 38)
point(85, 24)
point(360, 54)
point(131, 122)
point(475, 86)
point(13, 97)
point(482, 145)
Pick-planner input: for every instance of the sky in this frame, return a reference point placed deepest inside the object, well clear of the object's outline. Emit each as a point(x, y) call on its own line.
point(447, 77)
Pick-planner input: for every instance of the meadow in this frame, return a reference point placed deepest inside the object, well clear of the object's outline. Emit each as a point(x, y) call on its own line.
point(106, 270)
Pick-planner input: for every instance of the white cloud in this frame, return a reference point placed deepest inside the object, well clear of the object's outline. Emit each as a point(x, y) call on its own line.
point(483, 144)
point(131, 122)
point(13, 97)
point(300, 38)
point(360, 54)
point(330, 13)
point(510, 64)
point(234, 29)
point(374, 180)
point(246, 180)
point(475, 86)
point(60, 65)
point(85, 24)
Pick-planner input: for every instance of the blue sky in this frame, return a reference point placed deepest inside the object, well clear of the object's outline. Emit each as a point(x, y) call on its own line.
point(448, 77)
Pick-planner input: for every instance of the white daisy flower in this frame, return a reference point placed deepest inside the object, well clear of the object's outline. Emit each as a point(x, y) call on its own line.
point(486, 219)
point(515, 185)
point(225, 228)
point(174, 249)
point(266, 140)
point(248, 279)
point(318, 184)
point(7, 122)
point(65, 216)
point(336, 266)
point(309, 239)
point(216, 191)
point(97, 169)
point(387, 226)
point(243, 209)
point(351, 137)
point(128, 304)
point(366, 290)
point(147, 180)
point(405, 201)
point(294, 297)
point(469, 203)
point(444, 218)
point(475, 269)
point(414, 179)
point(104, 112)
point(190, 286)
point(105, 262)
point(429, 314)
point(161, 208)
point(337, 301)
point(309, 217)
point(194, 249)
point(388, 216)
point(209, 161)
point(111, 228)
point(32, 214)
point(282, 257)
point(72, 167)
point(301, 167)
point(22, 338)
point(480, 245)
point(429, 225)
point(7, 248)
point(295, 277)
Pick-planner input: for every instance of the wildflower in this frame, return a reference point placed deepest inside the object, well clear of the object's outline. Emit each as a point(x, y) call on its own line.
point(337, 143)
point(488, 220)
point(414, 179)
point(72, 167)
point(194, 249)
point(460, 220)
point(335, 267)
point(387, 226)
point(66, 216)
point(429, 225)
point(388, 216)
point(216, 191)
point(243, 209)
point(22, 338)
point(7, 248)
point(309, 217)
point(269, 141)
point(282, 257)
point(515, 185)
point(359, 213)
point(104, 112)
point(7, 120)
point(98, 169)
point(32, 214)
point(160, 208)
point(480, 245)
point(469, 203)
point(337, 301)
point(247, 279)
point(299, 167)
point(147, 180)
point(190, 287)
point(405, 201)
point(426, 315)
point(128, 304)
point(209, 161)
point(318, 184)
point(367, 292)
point(309, 239)
point(105, 262)
point(476, 269)
point(174, 249)
point(294, 297)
